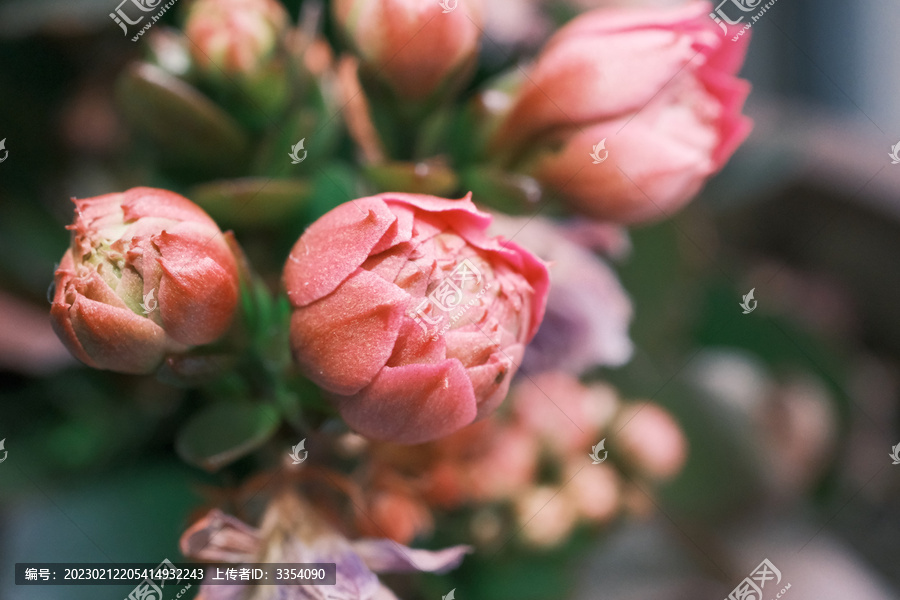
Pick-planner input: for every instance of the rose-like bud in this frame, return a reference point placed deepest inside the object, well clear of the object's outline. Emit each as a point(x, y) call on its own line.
point(148, 274)
point(413, 45)
point(628, 112)
point(410, 314)
point(234, 36)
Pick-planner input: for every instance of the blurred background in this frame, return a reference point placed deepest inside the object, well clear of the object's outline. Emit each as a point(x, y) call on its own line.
point(790, 411)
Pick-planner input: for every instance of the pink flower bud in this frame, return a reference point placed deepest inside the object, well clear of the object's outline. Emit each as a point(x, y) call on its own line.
point(651, 94)
point(650, 439)
point(413, 45)
point(410, 314)
point(544, 516)
point(148, 274)
point(234, 36)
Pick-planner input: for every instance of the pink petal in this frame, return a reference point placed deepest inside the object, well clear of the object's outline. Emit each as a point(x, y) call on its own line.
point(413, 403)
point(197, 295)
point(345, 338)
point(334, 247)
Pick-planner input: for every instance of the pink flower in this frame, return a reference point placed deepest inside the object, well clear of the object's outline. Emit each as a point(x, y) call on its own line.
point(657, 87)
point(148, 274)
point(234, 36)
point(410, 315)
point(413, 45)
point(562, 412)
point(649, 438)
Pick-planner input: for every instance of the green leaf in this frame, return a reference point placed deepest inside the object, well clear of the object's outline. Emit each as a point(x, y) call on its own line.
point(507, 192)
point(427, 177)
point(252, 201)
point(225, 432)
point(183, 123)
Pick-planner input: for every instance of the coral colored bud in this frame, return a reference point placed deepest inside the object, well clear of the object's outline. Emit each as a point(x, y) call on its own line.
point(148, 274)
point(544, 516)
point(395, 515)
point(413, 45)
point(234, 36)
point(594, 490)
point(627, 112)
point(649, 439)
point(410, 314)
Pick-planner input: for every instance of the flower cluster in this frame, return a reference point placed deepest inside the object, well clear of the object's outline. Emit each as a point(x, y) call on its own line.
point(400, 320)
point(552, 425)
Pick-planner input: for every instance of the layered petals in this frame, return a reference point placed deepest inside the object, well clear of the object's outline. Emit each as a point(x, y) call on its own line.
point(410, 314)
point(148, 275)
point(652, 94)
point(413, 45)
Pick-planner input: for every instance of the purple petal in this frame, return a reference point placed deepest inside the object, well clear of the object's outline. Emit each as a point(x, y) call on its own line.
point(389, 556)
point(355, 581)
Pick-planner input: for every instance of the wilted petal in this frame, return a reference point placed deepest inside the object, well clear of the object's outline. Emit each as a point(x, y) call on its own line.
point(385, 556)
point(218, 537)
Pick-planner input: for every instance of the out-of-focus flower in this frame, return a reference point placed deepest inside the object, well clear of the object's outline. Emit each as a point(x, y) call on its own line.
point(234, 37)
point(533, 457)
point(657, 87)
point(564, 413)
point(410, 315)
point(594, 491)
point(394, 511)
point(588, 312)
point(148, 274)
point(291, 532)
point(27, 344)
point(649, 439)
point(516, 23)
point(545, 518)
point(413, 45)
